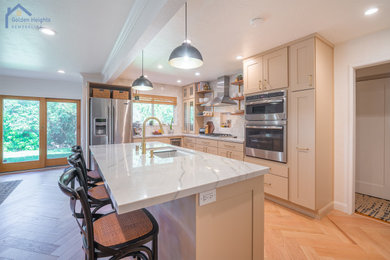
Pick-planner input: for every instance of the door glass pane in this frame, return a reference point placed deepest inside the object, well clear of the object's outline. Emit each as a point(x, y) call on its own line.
point(20, 130)
point(185, 116)
point(192, 113)
point(61, 129)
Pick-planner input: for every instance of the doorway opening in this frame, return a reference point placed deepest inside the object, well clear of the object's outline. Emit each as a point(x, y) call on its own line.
point(372, 142)
point(37, 132)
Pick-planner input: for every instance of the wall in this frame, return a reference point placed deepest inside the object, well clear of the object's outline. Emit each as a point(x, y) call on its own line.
point(361, 52)
point(18, 86)
point(162, 90)
point(238, 121)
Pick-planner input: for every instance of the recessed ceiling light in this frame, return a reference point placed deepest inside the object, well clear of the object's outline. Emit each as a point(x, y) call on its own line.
point(160, 66)
point(371, 11)
point(255, 21)
point(178, 81)
point(197, 73)
point(146, 76)
point(239, 57)
point(61, 71)
point(47, 31)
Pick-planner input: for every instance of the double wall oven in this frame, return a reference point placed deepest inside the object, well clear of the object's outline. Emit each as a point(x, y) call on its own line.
point(266, 126)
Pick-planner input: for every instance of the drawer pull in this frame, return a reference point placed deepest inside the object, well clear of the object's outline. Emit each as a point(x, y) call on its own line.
point(302, 148)
point(268, 184)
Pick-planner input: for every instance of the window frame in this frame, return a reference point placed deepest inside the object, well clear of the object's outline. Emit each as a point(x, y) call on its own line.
point(157, 100)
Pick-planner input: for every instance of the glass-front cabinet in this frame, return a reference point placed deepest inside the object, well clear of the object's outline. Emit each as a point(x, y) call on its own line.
point(189, 116)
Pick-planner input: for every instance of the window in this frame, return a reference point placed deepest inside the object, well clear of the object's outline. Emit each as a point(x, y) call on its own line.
point(161, 107)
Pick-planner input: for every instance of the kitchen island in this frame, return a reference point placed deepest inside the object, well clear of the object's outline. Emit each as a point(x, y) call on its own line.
point(207, 206)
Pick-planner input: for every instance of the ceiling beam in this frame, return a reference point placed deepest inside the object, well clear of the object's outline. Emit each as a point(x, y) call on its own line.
point(146, 18)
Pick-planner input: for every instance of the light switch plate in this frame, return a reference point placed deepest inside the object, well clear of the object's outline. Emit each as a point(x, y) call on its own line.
point(207, 197)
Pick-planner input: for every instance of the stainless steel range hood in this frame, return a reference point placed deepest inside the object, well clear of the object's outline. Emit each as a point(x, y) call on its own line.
point(223, 100)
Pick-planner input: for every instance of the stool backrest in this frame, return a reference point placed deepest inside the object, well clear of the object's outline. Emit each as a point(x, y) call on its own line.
point(75, 161)
point(78, 149)
point(83, 216)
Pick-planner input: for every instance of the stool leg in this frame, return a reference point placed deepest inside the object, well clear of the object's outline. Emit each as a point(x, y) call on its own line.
point(155, 248)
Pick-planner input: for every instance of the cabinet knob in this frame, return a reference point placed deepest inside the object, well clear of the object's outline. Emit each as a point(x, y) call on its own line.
point(260, 85)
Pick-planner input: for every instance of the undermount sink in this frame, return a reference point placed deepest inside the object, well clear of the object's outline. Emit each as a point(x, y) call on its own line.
point(170, 153)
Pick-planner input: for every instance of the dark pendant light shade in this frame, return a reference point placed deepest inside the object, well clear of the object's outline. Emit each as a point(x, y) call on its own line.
point(186, 56)
point(142, 83)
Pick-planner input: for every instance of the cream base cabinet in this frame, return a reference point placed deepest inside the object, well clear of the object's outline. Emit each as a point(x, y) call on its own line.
point(253, 75)
point(302, 148)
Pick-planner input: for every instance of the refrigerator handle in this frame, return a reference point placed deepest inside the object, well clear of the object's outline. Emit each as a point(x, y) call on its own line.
point(113, 125)
point(108, 126)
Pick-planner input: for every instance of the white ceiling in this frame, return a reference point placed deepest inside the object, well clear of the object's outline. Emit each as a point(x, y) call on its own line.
point(86, 33)
point(220, 30)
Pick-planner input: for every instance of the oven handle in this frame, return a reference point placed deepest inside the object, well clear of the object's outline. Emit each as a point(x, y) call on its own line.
point(265, 101)
point(266, 127)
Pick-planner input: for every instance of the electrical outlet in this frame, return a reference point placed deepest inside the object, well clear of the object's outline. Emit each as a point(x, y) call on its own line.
point(207, 197)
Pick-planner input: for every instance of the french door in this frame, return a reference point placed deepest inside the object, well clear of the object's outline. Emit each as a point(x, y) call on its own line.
point(37, 132)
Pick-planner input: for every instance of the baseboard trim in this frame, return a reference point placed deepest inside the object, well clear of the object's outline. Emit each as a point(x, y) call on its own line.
point(308, 212)
point(290, 205)
point(341, 206)
point(322, 212)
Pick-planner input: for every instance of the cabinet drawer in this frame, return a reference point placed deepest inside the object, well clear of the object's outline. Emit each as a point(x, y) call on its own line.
point(276, 186)
point(275, 168)
point(200, 147)
point(230, 146)
point(212, 150)
point(237, 155)
point(189, 145)
point(189, 140)
point(207, 142)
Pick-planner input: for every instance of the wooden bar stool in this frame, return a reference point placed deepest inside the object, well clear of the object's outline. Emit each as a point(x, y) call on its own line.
point(97, 194)
point(110, 235)
point(93, 175)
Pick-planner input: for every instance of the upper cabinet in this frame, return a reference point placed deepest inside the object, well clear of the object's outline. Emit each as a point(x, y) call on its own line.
point(275, 70)
point(253, 75)
point(266, 72)
point(302, 65)
point(189, 91)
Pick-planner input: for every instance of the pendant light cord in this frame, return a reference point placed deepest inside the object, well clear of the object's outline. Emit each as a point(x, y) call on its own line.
point(142, 62)
point(186, 22)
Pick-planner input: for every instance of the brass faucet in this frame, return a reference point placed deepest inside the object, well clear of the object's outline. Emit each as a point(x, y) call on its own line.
point(143, 131)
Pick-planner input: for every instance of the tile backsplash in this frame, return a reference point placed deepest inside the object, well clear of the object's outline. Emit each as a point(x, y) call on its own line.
point(238, 121)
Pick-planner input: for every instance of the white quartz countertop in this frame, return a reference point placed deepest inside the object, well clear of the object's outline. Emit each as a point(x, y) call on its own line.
point(226, 139)
point(136, 181)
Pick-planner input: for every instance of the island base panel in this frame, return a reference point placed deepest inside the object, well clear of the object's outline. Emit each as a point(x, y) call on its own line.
point(232, 227)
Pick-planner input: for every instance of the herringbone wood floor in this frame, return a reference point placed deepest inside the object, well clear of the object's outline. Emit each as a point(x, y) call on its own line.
point(290, 235)
point(35, 223)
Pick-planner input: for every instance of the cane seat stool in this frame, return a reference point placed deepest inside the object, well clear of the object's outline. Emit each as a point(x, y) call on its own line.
point(110, 235)
point(92, 175)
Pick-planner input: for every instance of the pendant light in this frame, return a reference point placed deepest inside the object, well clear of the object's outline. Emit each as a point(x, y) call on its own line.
point(142, 83)
point(186, 56)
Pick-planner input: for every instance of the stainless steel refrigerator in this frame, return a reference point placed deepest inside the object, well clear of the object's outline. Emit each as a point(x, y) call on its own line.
point(110, 121)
